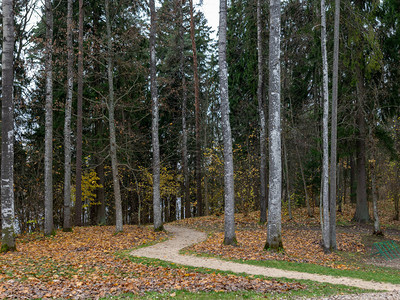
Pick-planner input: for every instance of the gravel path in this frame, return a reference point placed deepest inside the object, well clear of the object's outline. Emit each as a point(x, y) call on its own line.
point(183, 237)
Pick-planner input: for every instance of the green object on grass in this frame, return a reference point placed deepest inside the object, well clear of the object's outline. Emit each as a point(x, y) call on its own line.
point(387, 249)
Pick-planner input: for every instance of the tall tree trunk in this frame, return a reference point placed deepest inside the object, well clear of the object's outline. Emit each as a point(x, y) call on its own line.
point(377, 226)
point(100, 196)
point(325, 134)
point(185, 164)
point(362, 213)
point(7, 130)
point(78, 195)
point(158, 225)
point(274, 227)
point(111, 121)
point(197, 114)
point(287, 180)
point(48, 150)
point(263, 131)
point(353, 191)
point(333, 181)
point(67, 123)
point(229, 192)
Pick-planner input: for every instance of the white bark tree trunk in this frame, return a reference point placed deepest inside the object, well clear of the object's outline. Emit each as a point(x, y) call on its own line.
point(229, 193)
point(48, 150)
point(7, 130)
point(333, 181)
point(325, 146)
point(274, 236)
point(67, 123)
point(158, 225)
point(111, 123)
point(263, 131)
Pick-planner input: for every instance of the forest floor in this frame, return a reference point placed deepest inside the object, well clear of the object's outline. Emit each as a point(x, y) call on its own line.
point(93, 262)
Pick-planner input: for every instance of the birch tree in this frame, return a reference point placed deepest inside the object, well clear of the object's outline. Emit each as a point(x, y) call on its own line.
point(111, 123)
point(274, 237)
point(48, 150)
point(67, 122)
point(229, 194)
point(263, 131)
point(325, 146)
point(333, 181)
point(78, 195)
point(158, 226)
point(7, 130)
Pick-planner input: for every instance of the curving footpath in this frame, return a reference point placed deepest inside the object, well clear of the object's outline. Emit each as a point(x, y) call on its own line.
point(183, 237)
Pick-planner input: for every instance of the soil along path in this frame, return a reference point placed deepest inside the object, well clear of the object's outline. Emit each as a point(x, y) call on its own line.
point(184, 237)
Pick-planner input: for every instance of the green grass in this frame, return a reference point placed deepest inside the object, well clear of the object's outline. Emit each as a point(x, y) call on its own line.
point(366, 272)
point(313, 290)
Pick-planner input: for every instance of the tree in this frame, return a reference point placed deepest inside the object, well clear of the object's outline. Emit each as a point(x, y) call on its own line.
point(274, 236)
point(67, 122)
point(229, 192)
point(78, 197)
point(48, 155)
point(155, 116)
point(333, 181)
point(111, 123)
point(263, 132)
point(185, 162)
point(7, 130)
point(325, 146)
point(197, 114)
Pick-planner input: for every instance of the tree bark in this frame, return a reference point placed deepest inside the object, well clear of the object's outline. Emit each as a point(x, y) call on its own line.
point(333, 181)
point(7, 130)
point(197, 114)
point(377, 226)
point(274, 227)
point(185, 164)
point(263, 131)
point(229, 193)
point(353, 191)
point(67, 123)
point(362, 214)
point(325, 135)
point(158, 225)
point(78, 195)
point(287, 179)
point(48, 151)
point(101, 211)
point(111, 121)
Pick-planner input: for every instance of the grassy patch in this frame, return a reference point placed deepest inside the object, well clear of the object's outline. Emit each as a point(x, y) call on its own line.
point(313, 289)
point(366, 272)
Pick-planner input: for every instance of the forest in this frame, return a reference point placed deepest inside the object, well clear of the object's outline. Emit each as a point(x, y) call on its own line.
point(122, 113)
point(128, 123)
point(85, 96)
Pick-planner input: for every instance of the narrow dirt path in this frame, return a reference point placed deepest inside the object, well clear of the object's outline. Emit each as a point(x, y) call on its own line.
point(183, 237)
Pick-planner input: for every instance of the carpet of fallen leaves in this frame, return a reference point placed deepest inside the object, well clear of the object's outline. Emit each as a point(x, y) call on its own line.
point(300, 245)
point(301, 237)
point(83, 264)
